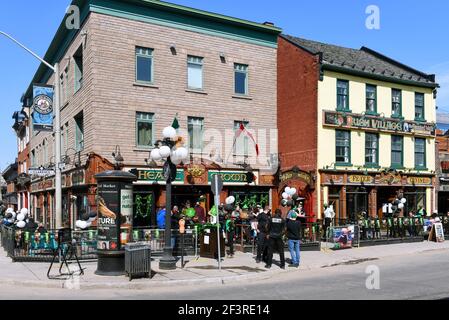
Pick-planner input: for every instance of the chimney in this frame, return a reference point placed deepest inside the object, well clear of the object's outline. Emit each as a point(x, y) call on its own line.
point(267, 23)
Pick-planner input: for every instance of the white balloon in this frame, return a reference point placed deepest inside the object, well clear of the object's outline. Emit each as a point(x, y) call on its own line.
point(77, 224)
point(92, 219)
point(88, 224)
point(10, 210)
point(20, 217)
point(82, 224)
point(288, 190)
point(24, 211)
point(176, 161)
point(293, 191)
point(182, 153)
point(165, 151)
point(230, 200)
point(403, 200)
point(21, 224)
point(401, 206)
point(169, 132)
point(156, 155)
point(285, 195)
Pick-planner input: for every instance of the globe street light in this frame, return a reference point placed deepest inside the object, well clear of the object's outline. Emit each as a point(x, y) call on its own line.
point(171, 151)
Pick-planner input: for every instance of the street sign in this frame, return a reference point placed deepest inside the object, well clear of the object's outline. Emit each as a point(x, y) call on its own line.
point(41, 172)
point(217, 184)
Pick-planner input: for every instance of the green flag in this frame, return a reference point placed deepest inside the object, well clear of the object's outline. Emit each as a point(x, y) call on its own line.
point(176, 123)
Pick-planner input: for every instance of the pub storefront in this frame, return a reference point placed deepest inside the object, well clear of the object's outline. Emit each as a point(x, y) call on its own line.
point(353, 194)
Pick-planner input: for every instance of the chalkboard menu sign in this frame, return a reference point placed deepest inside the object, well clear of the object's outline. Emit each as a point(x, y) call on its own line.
point(108, 212)
point(437, 233)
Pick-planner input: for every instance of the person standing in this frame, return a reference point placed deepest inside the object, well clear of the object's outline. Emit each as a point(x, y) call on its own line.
point(174, 224)
point(200, 213)
point(276, 229)
point(262, 224)
point(230, 232)
point(293, 236)
point(329, 214)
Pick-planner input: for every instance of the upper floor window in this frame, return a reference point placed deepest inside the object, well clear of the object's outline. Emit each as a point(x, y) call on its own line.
point(343, 95)
point(343, 146)
point(79, 69)
point(195, 72)
point(144, 129)
point(419, 106)
point(397, 145)
point(33, 158)
point(79, 133)
point(241, 147)
point(241, 78)
point(371, 99)
point(195, 127)
point(396, 103)
point(144, 65)
point(371, 149)
point(420, 153)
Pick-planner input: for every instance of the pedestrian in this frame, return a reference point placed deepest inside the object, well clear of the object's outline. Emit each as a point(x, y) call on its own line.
point(262, 224)
point(329, 214)
point(294, 236)
point(200, 213)
point(160, 218)
point(230, 234)
point(174, 224)
point(276, 230)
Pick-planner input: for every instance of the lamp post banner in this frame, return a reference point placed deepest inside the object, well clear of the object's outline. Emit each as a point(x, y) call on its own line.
point(43, 108)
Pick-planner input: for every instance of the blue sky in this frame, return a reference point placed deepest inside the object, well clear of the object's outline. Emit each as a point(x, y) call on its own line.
point(413, 32)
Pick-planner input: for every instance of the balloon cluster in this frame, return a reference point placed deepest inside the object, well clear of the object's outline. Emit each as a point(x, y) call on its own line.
point(289, 197)
point(19, 219)
point(86, 220)
point(176, 155)
point(400, 203)
point(229, 203)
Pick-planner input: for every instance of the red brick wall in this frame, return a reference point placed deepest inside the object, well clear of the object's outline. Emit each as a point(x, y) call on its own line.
point(298, 76)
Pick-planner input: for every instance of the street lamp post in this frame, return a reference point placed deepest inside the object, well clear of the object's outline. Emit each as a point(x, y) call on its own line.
point(56, 128)
point(172, 155)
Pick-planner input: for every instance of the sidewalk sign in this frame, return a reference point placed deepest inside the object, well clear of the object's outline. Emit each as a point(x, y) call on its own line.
point(436, 234)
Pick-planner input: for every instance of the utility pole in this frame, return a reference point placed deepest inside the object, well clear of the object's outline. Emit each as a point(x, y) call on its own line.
point(56, 129)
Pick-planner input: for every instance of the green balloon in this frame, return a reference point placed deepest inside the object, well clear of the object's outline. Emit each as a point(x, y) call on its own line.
point(190, 213)
point(213, 211)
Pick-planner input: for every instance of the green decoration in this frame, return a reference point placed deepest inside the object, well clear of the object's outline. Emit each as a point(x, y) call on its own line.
point(213, 211)
point(190, 213)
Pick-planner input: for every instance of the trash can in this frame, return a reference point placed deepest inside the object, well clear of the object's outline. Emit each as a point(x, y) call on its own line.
point(137, 260)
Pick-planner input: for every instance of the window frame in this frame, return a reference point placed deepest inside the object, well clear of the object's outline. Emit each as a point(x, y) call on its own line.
point(79, 145)
point(346, 108)
point(396, 165)
point(421, 167)
point(423, 107)
point(397, 116)
point(245, 142)
point(246, 73)
point(376, 163)
point(202, 71)
point(189, 125)
point(146, 56)
point(137, 129)
point(339, 163)
point(375, 99)
point(78, 83)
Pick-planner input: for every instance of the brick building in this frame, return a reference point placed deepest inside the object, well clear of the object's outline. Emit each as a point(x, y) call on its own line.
point(9, 196)
point(131, 68)
point(356, 129)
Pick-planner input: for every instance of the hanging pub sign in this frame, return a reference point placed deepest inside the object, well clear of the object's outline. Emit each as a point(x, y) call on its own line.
point(367, 122)
point(42, 112)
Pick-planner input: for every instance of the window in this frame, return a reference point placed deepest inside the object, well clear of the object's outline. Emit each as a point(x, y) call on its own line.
point(371, 149)
point(144, 65)
point(144, 129)
point(420, 153)
point(371, 99)
point(33, 159)
point(195, 127)
point(241, 147)
point(343, 147)
point(416, 199)
point(396, 101)
point(343, 95)
point(45, 155)
point(79, 134)
point(195, 72)
point(241, 78)
point(356, 202)
point(419, 106)
point(397, 143)
point(78, 59)
point(62, 86)
point(66, 137)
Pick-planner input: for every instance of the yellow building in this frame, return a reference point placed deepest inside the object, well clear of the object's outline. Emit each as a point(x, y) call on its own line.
point(376, 133)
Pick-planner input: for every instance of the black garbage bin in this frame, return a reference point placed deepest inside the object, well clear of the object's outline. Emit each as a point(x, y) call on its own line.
point(138, 260)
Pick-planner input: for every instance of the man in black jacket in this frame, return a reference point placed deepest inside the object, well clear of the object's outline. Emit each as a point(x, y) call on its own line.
point(276, 229)
point(262, 224)
point(294, 237)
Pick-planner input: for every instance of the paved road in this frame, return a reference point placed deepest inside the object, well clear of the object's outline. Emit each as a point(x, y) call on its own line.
point(422, 276)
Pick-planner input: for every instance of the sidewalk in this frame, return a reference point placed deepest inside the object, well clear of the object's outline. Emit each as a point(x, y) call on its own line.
point(201, 270)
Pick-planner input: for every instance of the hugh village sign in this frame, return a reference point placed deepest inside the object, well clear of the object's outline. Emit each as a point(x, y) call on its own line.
point(377, 123)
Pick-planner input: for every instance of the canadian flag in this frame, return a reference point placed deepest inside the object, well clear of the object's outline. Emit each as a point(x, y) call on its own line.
point(244, 131)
